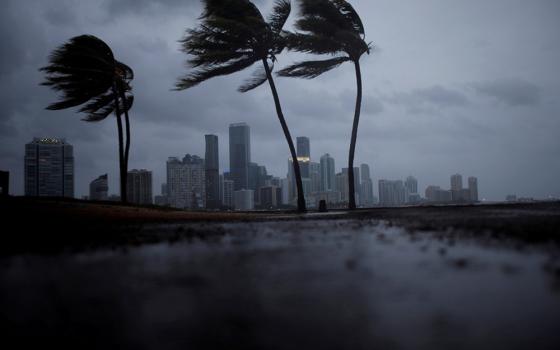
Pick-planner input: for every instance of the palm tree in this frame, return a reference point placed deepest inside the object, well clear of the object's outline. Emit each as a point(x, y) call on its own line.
point(330, 27)
point(86, 73)
point(233, 36)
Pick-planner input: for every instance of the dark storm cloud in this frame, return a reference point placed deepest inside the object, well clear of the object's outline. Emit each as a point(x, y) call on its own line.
point(512, 92)
point(421, 115)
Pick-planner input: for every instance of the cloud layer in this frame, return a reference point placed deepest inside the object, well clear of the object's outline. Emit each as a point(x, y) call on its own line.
point(448, 89)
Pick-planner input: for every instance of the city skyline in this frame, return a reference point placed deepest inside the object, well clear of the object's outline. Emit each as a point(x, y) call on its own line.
point(495, 117)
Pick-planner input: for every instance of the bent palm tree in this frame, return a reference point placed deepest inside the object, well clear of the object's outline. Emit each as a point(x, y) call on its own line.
point(233, 36)
point(85, 71)
point(330, 27)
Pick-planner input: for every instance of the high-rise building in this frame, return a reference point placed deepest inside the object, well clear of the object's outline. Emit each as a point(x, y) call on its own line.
point(212, 172)
point(303, 155)
point(456, 182)
point(243, 200)
point(186, 182)
point(436, 194)
point(411, 186)
point(303, 147)
point(315, 176)
point(341, 185)
point(473, 189)
point(366, 187)
point(99, 188)
point(327, 173)
point(391, 193)
point(4, 183)
point(139, 187)
point(456, 187)
point(239, 154)
point(49, 168)
point(269, 197)
point(228, 194)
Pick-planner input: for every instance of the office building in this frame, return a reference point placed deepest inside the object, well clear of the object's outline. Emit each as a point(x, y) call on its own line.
point(212, 172)
point(303, 153)
point(243, 200)
point(139, 187)
point(391, 193)
point(99, 189)
point(327, 173)
point(239, 155)
point(411, 186)
point(436, 194)
point(186, 182)
point(270, 197)
point(315, 176)
point(49, 168)
point(473, 189)
point(341, 185)
point(228, 194)
point(366, 186)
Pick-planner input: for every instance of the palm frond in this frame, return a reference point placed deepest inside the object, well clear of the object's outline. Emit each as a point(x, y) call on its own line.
point(279, 15)
point(314, 44)
point(312, 69)
point(257, 79)
point(199, 75)
point(350, 14)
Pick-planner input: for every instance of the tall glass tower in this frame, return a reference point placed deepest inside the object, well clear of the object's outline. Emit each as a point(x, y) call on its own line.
point(239, 155)
point(49, 168)
point(212, 172)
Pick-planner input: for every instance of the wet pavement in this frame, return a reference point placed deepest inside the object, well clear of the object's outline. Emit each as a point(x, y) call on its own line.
point(311, 284)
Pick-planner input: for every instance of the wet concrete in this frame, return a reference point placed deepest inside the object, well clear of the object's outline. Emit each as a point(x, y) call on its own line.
point(306, 284)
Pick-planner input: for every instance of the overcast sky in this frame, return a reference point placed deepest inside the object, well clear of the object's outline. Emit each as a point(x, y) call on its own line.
point(453, 86)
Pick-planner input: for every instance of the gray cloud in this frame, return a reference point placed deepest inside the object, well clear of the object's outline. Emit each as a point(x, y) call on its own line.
point(512, 92)
point(428, 100)
point(422, 115)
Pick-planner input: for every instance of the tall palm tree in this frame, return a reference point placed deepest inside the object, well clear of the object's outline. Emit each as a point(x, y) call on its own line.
point(86, 73)
point(330, 27)
point(233, 36)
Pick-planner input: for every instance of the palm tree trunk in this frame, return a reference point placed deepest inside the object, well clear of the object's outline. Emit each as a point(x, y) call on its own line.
point(351, 189)
point(297, 172)
point(127, 143)
point(121, 147)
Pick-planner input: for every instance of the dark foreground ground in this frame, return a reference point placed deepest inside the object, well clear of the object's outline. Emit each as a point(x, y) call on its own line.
point(87, 275)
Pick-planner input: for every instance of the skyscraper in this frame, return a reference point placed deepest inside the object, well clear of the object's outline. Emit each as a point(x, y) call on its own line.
point(327, 173)
point(139, 187)
point(391, 193)
point(456, 182)
point(456, 187)
point(303, 155)
point(186, 182)
point(411, 184)
point(473, 189)
point(49, 168)
point(315, 176)
point(239, 155)
point(228, 194)
point(303, 147)
point(99, 188)
point(366, 187)
point(212, 172)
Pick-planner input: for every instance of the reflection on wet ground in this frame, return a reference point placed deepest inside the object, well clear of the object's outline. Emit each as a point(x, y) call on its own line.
point(314, 284)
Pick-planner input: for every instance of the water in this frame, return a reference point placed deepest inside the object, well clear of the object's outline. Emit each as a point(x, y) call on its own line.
point(317, 284)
